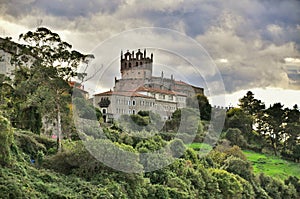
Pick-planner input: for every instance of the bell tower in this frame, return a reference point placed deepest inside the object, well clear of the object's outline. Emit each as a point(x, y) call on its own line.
point(136, 65)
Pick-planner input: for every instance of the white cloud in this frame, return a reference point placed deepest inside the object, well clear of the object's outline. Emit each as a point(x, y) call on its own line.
point(274, 29)
point(222, 61)
point(269, 96)
point(291, 60)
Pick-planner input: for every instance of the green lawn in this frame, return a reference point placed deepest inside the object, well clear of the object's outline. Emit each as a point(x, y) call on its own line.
point(272, 165)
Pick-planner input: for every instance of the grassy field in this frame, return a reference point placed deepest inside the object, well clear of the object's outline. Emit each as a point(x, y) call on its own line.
point(267, 164)
point(272, 165)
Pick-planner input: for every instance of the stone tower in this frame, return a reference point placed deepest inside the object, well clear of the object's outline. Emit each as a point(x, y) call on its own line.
point(136, 65)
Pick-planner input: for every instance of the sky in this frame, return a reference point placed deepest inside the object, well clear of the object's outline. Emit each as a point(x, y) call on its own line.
point(244, 45)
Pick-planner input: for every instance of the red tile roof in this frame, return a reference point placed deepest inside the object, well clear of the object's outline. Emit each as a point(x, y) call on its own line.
point(77, 85)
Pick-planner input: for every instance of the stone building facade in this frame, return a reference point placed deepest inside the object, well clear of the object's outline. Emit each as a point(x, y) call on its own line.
point(9, 51)
point(138, 90)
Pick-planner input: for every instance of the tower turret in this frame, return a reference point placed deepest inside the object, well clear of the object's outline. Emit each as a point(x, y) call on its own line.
point(136, 65)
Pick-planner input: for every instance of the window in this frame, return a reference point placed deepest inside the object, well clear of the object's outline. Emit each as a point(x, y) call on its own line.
point(129, 102)
point(133, 102)
point(133, 112)
point(129, 112)
point(129, 65)
point(136, 64)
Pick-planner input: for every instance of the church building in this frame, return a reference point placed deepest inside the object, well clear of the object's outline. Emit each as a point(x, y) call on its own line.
point(137, 90)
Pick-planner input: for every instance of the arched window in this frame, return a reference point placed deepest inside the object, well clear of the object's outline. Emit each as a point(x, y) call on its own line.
point(141, 63)
point(137, 63)
point(129, 65)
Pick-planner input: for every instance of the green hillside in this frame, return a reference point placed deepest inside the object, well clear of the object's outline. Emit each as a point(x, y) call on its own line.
point(272, 165)
point(81, 156)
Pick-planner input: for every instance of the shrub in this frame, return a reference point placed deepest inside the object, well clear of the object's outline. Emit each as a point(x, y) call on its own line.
point(6, 137)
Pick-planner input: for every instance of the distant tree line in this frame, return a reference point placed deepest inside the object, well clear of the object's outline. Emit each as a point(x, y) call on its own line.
point(265, 129)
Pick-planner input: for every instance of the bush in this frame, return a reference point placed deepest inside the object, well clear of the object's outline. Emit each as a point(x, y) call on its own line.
point(235, 137)
point(228, 183)
point(6, 137)
point(238, 166)
point(28, 144)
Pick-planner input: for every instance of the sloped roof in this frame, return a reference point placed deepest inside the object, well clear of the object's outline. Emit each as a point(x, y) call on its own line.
point(186, 84)
point(122, 93)
point(156, 90)
point(182, 83)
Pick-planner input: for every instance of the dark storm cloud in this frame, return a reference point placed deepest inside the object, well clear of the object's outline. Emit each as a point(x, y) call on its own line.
point(69, 9)
point(197, 16)
point(254, 36)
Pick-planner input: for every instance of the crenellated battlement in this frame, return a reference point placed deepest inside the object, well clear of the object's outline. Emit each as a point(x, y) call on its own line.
point(136, 65)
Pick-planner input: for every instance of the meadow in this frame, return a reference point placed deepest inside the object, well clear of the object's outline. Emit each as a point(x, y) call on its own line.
point(272, 165)
point(268, 164)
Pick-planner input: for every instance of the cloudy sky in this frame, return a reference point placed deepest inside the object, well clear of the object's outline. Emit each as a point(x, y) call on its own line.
point(252, 44)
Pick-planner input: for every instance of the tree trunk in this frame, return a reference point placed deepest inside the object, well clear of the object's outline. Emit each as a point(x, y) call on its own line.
point(59, 131)
point(274, 147)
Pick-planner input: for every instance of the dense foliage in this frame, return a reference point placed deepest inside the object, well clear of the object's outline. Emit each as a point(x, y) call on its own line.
point(34, 164)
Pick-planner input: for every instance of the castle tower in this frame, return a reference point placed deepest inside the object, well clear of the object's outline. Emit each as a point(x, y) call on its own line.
point(136, 65)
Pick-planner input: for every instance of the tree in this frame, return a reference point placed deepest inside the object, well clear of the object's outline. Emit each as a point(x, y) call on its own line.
point(235, 137)
point(251, 105)
point(271, 125)
point(238, 166)
point(6, 93)
point(185, 120)
point(296, 153)
point(6, 137)
point(200, 102)
point(142, 121)
point(228, 183)
point(291, 132)
point(276, 188)
point(237, 118)
point(54, 63)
